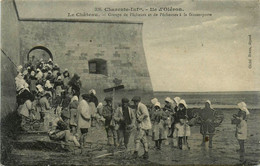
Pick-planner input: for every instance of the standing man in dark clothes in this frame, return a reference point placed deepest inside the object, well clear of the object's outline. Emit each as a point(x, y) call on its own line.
point(125, 117)
point(110, 125)
point(75, 84)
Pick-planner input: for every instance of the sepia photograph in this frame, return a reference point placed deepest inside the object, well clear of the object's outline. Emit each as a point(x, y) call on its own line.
point(128, 82)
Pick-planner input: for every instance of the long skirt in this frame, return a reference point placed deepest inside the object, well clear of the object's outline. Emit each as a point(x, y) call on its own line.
point(159, 131)
point(241, 130)
point(181, 130)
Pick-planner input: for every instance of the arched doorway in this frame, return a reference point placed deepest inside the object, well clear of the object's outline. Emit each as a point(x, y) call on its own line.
point(37, 53)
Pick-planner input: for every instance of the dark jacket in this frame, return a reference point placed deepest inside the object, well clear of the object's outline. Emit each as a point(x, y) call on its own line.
point(107, 114)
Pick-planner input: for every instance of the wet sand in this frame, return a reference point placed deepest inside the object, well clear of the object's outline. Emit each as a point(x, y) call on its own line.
point(222, 153)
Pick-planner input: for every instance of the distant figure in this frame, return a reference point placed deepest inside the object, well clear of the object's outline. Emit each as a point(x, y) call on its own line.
point(241, 126)
point(207, 124)
point(143, 126)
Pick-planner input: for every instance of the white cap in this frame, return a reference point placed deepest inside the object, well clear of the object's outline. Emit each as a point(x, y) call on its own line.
point(154, 100)
point(92, 91)
point(100, 105)
point(19, 68)
point(177, 100)
point(208, 101)
point(32, 73)
point(183, 102)
point(25, 72)
point(157, 104)
point(171, 101)
point(74, 98)
point(242, 105)
point(39, 87)
point(168, 99)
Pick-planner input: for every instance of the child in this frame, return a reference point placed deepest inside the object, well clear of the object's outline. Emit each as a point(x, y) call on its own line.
point(159, 118)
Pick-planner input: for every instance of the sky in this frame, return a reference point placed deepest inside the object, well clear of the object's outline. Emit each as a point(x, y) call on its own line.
point(184, 54)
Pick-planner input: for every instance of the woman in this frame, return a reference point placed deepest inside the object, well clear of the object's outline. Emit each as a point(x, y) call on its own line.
point(175, 103)
point(151, 108)
point(48, 87)
point(33, 81)
point(182, 127)
point(60, 131)
point(159, 118)
point(66, 78)
point(241, 127)
point(169, 110)
point(25, 111)
point(73, 113)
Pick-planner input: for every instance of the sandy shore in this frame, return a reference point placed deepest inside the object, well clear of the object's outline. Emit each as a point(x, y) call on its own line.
point(222, 153)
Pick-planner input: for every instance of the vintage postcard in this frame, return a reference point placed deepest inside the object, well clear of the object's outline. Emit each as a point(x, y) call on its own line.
point(128, 82)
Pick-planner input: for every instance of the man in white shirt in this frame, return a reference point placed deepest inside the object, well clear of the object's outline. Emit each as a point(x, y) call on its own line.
point(143, 126)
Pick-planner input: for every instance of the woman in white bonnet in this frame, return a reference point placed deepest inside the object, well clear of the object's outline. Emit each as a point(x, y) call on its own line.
point(241, 127)
point(182, 127)
point(152, 109)
point(176, 101)
point(74, 103)
point(158, 119)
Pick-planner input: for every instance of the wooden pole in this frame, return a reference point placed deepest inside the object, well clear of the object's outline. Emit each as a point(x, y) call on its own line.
point(113, 98)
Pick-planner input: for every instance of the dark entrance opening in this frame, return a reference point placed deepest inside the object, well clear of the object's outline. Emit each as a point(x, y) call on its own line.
point(97, 66)
point(37, 53)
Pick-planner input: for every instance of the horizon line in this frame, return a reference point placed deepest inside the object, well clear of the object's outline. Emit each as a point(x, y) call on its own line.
point(205, 91)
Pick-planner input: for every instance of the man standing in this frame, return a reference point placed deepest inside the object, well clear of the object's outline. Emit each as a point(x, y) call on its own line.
point(143, 126)
point(84, 118)
point(125, 117)
point(110, 124)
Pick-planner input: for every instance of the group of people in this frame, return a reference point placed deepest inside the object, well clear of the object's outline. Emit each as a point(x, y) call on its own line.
point(47, 95)
point(43, 89)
